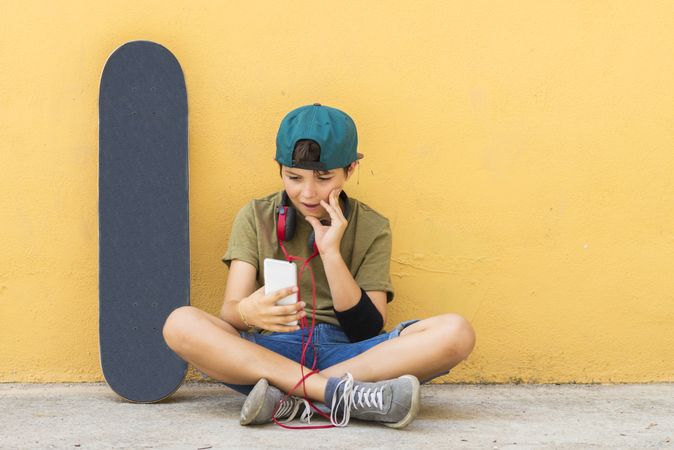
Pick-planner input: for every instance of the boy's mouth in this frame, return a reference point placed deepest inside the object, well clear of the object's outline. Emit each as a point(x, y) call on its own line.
point(310, 206)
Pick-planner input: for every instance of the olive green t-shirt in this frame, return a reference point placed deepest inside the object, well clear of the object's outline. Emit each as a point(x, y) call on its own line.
point(365, 248)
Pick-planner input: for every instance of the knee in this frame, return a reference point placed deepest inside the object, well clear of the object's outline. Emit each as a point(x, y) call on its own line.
point(457, 336)
point(178, 325)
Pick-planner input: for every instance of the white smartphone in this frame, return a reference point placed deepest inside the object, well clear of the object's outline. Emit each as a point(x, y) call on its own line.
point(279, 274)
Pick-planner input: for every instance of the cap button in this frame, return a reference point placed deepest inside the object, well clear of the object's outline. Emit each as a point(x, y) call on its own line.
point(317, 104)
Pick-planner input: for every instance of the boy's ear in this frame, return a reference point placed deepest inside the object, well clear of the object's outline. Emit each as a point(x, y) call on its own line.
point(351, 170)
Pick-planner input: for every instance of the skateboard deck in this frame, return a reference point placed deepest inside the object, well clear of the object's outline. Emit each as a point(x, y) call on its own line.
point(144, 267)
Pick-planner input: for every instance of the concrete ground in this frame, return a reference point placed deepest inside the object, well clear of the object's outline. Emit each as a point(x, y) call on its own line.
point(205, 416)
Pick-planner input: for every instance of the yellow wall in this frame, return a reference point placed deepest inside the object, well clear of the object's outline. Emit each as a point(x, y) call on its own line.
point(522, 150)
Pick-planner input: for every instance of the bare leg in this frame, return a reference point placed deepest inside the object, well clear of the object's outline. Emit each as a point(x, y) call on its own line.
point(424, 349)
point(215, 347)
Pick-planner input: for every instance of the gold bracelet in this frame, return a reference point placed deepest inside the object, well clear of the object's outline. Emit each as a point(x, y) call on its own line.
point(238, 308)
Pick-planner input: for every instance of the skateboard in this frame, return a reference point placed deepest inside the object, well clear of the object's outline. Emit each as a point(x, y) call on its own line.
point(144, 266)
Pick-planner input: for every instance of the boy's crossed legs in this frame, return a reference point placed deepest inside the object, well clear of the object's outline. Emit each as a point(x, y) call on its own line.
point(424, 349)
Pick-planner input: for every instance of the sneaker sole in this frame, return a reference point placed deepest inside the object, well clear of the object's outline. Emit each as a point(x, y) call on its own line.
point(414, 407)
point(254, 402)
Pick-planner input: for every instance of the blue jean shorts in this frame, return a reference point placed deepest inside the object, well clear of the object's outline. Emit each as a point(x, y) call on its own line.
point(331, 346)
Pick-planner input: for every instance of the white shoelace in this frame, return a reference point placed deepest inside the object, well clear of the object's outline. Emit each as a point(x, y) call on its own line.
point(371, 398)
point(290, 408)
point(353, 396)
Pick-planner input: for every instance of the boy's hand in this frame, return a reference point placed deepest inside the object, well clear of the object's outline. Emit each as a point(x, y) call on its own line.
point(261, 311)
point(328, 237)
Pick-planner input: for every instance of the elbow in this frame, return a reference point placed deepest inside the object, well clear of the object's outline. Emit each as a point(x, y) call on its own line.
point(362, 321)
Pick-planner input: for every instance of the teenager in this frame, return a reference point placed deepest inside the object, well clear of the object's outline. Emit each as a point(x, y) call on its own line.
point(364, 372)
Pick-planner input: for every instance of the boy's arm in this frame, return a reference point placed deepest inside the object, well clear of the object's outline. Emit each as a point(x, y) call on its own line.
point(344, 289)
point(240, 284)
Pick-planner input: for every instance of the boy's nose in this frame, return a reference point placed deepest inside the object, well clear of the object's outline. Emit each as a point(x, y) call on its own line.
point(309, 192)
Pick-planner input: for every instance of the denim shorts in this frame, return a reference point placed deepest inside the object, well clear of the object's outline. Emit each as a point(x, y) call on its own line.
point(331, 346)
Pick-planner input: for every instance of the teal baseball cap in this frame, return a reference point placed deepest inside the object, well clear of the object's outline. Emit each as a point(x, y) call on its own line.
point(331, 128)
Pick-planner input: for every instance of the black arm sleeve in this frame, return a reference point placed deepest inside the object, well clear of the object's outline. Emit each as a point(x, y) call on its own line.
point(362, 321)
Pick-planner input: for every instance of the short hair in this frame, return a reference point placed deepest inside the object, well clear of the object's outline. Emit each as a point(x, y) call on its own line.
point(307, 150)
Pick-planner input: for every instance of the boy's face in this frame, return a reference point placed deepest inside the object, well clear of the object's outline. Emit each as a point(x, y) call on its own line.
point(306, 189)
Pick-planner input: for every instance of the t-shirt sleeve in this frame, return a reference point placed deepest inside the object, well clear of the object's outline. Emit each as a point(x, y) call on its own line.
point(374, 273)
point(243, 238)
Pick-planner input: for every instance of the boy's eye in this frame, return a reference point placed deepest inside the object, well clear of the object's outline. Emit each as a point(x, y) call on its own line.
point(320, 179)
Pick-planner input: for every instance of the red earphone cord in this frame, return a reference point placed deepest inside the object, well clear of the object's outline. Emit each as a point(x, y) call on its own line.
point(305, 346)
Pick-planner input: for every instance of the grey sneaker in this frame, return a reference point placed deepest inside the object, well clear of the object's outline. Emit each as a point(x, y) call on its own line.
point(394, 402)
point(260, 403)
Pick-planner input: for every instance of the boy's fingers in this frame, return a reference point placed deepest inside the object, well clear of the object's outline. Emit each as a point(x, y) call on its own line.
point(338, 210)
point(333, 207)
point(278, 295)
point(283, 328)
point(290, 318)
point(288, 309)
point(286, 292)
point(311, 221)
point(330, 210)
